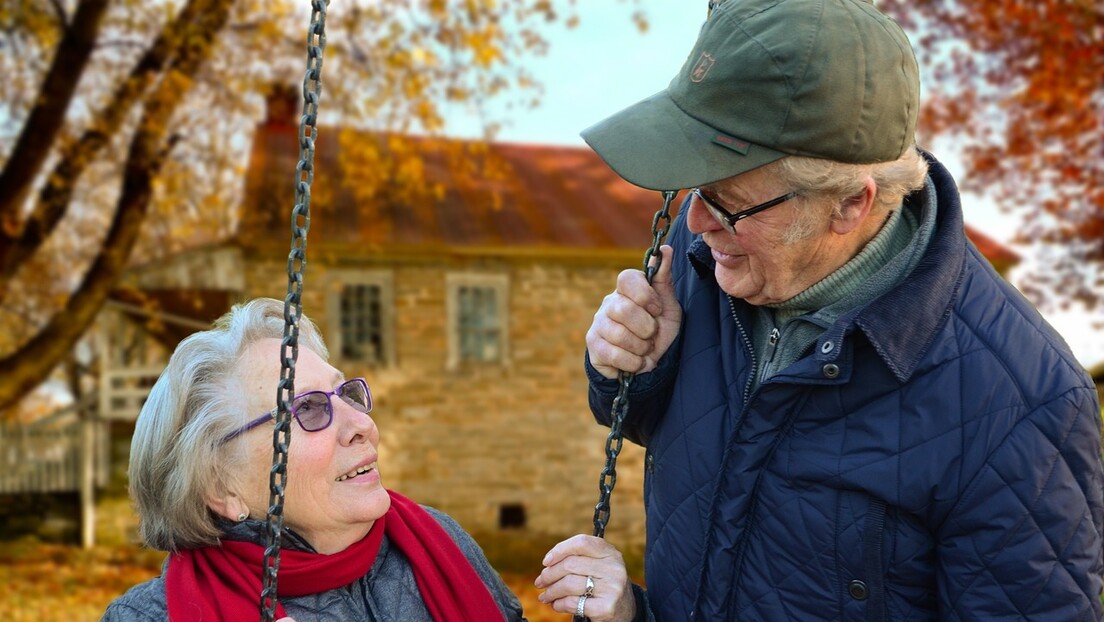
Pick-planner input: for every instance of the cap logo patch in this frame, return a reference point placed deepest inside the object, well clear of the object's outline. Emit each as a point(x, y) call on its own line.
point(733, 143)
point(702, 67)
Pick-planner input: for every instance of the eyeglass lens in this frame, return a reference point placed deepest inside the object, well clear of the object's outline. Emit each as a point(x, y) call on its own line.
point(714, 210)
point(355, 393)
point(315, 411)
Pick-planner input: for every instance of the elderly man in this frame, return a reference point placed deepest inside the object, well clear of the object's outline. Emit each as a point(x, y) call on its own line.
point(848, 414)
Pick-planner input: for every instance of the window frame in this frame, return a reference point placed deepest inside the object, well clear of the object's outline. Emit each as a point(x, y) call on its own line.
point(337, 281)
point(498, 282)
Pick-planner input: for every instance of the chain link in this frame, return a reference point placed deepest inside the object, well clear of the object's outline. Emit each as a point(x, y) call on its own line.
point(615, 439)
point(293, 304)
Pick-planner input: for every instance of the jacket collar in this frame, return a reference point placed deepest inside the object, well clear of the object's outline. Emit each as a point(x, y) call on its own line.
point(901, 324)
point(255, 531)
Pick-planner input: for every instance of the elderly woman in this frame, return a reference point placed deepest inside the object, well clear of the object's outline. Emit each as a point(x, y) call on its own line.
point(352, 550)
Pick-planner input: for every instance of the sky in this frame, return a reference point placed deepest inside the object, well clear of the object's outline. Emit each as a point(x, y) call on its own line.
point(605, 64)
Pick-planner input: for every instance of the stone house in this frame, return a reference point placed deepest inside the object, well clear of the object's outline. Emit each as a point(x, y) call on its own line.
point(464, 300)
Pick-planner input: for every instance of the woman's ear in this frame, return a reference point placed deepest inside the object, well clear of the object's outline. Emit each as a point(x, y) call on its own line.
point(854, 209)
point(229, 506)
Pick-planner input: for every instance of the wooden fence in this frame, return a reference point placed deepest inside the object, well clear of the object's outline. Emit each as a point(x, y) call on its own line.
point(40, 458)
point(60, 453)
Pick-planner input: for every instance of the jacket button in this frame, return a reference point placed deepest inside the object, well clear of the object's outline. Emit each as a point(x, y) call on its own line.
point(831, 370)
point(827, 347)
point(650, 462)
point(857, 590)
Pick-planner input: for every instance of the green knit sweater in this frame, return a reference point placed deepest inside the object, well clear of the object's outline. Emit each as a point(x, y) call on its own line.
point(783, 332)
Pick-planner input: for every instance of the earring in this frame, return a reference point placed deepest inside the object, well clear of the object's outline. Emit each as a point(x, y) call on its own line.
point(243, 516)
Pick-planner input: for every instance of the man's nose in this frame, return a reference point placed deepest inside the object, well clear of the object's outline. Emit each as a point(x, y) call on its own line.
point(699, 219)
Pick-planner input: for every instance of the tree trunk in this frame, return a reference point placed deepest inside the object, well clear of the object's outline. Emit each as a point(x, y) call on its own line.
point(46, 117)
point(26, 368)
point(17, 245)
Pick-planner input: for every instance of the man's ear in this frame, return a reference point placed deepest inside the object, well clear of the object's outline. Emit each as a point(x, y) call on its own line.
point(854, 210)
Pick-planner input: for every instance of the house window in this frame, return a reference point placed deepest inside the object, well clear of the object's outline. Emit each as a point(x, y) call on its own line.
point(360, 317)
point(361, 322)
point(477, 318)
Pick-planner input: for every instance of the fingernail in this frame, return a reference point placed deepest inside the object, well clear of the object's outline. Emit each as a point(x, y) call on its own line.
point(547, 558)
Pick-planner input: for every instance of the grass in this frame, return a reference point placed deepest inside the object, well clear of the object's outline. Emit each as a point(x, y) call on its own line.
point(48, 582)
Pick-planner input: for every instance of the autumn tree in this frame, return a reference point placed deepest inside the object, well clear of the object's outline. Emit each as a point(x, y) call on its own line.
point(123, 125)
point(1020, 83)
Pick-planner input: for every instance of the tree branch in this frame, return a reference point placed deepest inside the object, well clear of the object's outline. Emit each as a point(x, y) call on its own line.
point(19, 371)
point(46, 117)
point(56, 195)
point(63, 21)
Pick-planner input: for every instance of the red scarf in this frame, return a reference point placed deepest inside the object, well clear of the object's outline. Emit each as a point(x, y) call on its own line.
point(223, 583)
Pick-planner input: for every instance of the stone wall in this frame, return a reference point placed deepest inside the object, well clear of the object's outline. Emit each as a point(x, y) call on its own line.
point(489, 442)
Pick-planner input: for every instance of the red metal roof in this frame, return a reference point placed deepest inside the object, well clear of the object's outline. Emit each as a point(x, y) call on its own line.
point(497, 195)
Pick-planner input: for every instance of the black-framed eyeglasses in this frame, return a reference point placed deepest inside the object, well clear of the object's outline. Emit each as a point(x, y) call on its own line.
point(314, 410)
point(727, 219)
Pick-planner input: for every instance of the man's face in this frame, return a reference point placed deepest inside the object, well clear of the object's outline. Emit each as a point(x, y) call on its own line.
point(757, 263)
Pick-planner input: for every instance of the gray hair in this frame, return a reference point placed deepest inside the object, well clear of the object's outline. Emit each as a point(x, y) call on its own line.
point(177, 457)
point(817, 179)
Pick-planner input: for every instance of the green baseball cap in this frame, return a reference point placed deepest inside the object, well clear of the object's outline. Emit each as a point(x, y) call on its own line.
point(832, 79)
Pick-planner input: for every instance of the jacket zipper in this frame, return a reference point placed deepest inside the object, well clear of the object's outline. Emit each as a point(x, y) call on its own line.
point(696, 605)
point(751, 353)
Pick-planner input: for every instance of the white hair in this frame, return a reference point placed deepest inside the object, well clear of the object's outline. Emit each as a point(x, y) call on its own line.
point(178, 459)
point(819, 180)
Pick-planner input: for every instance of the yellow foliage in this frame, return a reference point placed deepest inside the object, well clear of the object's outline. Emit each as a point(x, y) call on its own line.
point(61, 583)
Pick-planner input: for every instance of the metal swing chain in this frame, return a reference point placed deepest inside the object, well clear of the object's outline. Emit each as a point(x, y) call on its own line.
point(293, 306)
point(615, 439)
point(620, 409)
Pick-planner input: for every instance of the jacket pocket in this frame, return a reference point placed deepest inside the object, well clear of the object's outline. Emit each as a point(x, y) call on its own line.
point(860, 545)
point(873, 536)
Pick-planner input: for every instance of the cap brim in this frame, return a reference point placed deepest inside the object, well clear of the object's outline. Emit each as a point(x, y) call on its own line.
point(656, 145)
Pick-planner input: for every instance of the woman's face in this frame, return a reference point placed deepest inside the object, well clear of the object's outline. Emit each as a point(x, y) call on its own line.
point(333, 493)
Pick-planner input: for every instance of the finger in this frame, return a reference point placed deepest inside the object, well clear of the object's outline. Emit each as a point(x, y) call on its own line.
point(609, 360)
point(572, 561)
point(626, 326)
point(596, 609)
point(632, 284)
point(571, 583)
point(570, 605)
point(663, 283)
point(578, 547)
point(579, 544)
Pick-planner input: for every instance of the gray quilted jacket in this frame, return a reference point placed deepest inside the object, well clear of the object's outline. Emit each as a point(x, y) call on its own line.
point(387, 593)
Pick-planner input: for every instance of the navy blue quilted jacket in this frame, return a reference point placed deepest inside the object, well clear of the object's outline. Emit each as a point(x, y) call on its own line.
point(935, 456)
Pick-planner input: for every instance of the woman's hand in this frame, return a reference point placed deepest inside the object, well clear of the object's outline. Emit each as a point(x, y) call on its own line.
point(564, 580)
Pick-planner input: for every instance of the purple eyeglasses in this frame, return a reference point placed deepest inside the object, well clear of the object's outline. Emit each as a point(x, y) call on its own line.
point(314, 410)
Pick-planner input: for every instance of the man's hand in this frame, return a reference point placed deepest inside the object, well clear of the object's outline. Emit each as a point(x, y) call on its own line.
point(636, 323)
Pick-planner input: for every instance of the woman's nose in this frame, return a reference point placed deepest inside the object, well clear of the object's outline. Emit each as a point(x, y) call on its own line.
point(356, 426)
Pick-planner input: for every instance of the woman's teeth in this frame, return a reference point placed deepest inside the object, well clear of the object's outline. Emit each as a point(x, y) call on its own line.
point(357, 471)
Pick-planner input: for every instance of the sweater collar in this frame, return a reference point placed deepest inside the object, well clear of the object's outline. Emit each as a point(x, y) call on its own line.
point(901, 324)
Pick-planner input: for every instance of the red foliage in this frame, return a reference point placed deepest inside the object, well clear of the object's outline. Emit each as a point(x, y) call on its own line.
point(1021, 82)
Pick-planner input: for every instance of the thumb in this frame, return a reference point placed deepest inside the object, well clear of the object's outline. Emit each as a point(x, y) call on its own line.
point(662, 281)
